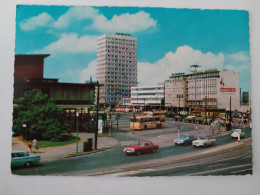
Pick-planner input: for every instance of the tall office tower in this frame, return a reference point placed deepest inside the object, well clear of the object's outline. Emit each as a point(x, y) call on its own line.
point(116, 67)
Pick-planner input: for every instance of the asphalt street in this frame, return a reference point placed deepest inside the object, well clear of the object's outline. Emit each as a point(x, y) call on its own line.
point(115, 157)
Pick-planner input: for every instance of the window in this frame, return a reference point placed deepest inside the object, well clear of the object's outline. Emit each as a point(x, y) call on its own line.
point(20, 154)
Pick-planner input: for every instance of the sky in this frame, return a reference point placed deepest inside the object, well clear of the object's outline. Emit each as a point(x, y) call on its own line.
point(169, 40)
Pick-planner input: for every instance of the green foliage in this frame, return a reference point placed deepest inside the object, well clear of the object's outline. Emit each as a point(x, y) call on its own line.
point(67, 139)
point(43, 119)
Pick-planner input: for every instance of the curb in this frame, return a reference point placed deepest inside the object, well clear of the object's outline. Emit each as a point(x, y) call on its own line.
point(90, 152)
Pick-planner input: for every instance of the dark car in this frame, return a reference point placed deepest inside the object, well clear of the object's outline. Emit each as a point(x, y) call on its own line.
point(141, 147)
point(184, 139)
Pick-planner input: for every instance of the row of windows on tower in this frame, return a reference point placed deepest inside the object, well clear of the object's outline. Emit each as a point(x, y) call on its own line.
point(124, 40)
point(102, 52)
point(121, 48)
point(120, 43)
point(110, 80)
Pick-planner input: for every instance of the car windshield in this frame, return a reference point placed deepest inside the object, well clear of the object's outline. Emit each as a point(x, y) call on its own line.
point(203, 137)
point(238, 130)
point(183, 136)
point(139, 143)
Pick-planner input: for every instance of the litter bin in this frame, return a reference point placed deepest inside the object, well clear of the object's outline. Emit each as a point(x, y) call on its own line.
point(87, 146)
point(228, 127)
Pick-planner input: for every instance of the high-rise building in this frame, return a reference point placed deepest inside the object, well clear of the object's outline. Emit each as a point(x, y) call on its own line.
point(116, 66)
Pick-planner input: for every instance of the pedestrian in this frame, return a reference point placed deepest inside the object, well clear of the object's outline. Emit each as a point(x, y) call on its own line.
point(197, 129)
point(218, 127)
point(213, 128)
point(30, 146)
point(34, 144)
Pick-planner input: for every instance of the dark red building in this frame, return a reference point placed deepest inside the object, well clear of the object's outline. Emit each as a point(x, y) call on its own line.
point(28, 74)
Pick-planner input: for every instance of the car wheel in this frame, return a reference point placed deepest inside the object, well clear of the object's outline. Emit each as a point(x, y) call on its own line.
point(138, 153)
point(27, 164)
point(185, 143)
point(204, 145)
point(145, 127)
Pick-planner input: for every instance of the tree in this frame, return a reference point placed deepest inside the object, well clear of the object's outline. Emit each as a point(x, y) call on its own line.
point(43, 118)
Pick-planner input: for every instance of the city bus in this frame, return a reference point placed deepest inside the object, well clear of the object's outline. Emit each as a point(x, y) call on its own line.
point(146, 122)
point(127, 108)
point(158, 113)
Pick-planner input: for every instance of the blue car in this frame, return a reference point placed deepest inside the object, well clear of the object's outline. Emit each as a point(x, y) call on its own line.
point(184, 139)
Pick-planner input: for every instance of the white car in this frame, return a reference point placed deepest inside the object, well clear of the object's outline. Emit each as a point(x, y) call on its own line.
point(203, 141)
point(237, 132)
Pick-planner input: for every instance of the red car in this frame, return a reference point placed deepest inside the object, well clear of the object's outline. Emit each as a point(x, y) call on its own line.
point(141, 147)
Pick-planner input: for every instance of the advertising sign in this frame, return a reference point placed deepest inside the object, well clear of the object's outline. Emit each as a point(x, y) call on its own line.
point(227, 89)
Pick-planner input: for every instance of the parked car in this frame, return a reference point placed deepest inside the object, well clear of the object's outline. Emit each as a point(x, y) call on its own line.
point(184, 139)
point(23, 158)
point(141, 147)
point(237, 132)
point(203, 141)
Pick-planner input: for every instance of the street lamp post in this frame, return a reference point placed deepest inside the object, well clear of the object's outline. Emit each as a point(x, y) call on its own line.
point(96, 132)
point(77, 115)
point(24, 126)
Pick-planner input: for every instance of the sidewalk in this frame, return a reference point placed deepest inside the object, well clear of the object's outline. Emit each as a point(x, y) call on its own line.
point(49, 154)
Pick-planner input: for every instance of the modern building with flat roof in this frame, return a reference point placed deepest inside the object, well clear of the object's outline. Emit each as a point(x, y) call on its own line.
point(210, 89)
point(116, 66)
point(147, 96)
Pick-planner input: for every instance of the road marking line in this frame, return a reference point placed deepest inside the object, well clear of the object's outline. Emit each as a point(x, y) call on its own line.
point(241, 171)
point(222, 169)
point(217, 165)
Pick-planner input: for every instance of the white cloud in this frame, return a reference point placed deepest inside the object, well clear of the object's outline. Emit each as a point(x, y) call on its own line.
point(41, 20)
point(125, 22)
point(75, 14)
point(88, 72)
point(122, 23)
point(180, 61)
point(240, 56)
point(71, 43)
point(240, 68)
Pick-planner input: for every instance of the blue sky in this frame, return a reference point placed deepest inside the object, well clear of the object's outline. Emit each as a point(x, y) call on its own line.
point(169, 40)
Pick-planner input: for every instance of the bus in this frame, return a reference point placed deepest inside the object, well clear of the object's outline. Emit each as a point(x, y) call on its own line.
point(146, 122)
point(127, 108)
point(160, 114)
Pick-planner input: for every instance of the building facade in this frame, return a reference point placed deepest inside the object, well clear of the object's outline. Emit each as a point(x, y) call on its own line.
point(205, 89)
point(176, 91)
point(71, 97)
point(116, 66)
point(147, 96)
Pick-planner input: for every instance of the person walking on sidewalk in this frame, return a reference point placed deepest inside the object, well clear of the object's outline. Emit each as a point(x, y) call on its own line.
point(197, 130)
point(34, 143)
point(30, 146)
